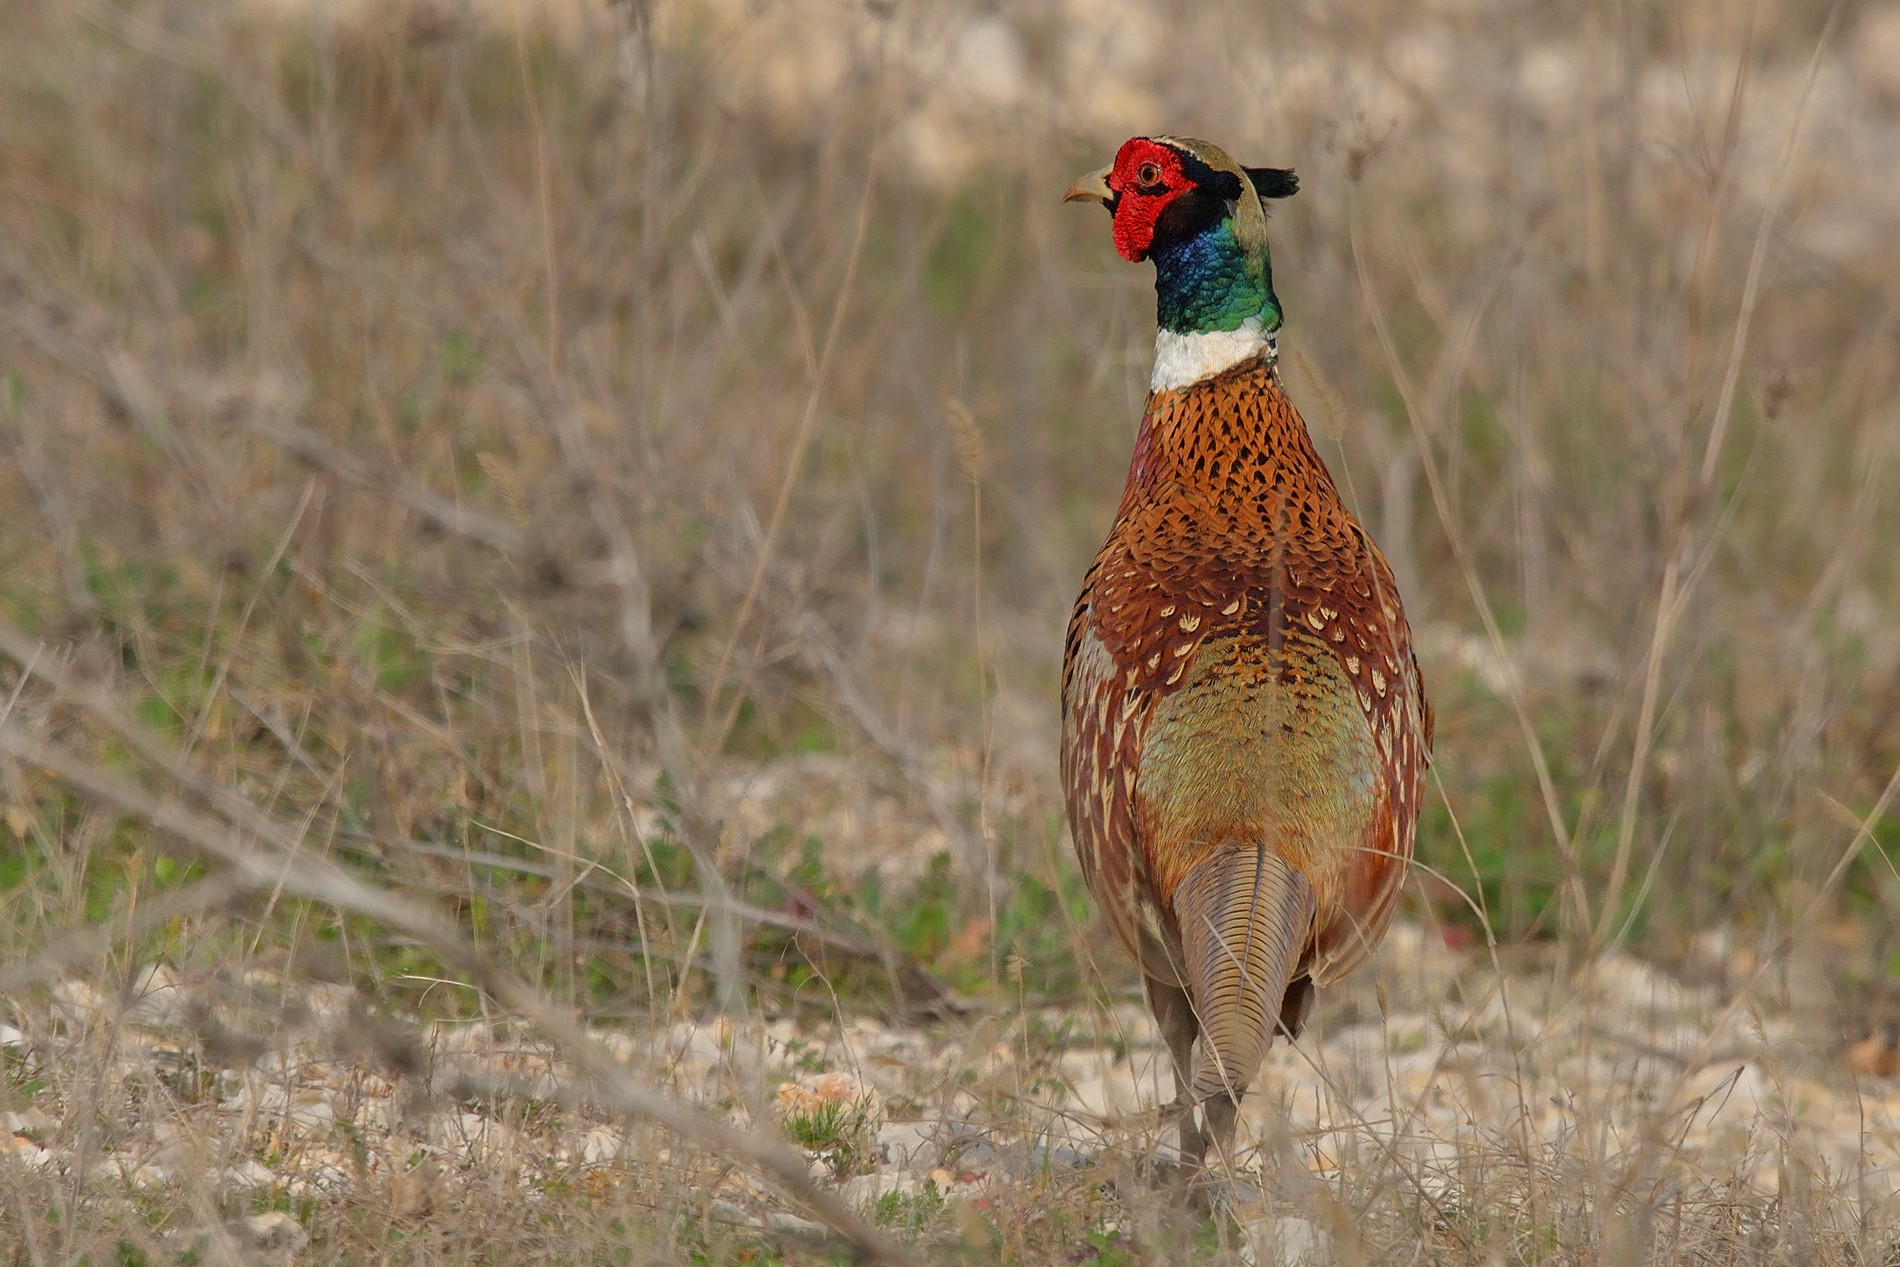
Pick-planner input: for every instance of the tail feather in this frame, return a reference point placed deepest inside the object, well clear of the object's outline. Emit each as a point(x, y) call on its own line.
point(1245, 917)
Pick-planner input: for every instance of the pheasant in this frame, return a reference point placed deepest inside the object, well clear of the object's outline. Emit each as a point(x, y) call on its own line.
point(1245, 729)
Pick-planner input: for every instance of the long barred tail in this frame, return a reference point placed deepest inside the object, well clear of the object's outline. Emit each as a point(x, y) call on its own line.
point(1245, 916)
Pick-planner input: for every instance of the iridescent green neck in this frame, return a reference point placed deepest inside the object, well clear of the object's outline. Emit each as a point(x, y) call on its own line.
point(1207, 283)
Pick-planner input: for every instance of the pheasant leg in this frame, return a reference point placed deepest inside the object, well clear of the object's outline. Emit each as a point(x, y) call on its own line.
point(1174, 1013)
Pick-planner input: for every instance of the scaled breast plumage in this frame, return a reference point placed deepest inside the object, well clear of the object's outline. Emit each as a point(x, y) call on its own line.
point(1234, 573)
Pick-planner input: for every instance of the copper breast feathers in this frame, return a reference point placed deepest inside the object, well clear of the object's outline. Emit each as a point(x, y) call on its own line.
point(1239, 669)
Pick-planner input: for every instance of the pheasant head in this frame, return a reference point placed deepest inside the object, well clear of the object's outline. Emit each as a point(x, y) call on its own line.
point(1200, 216)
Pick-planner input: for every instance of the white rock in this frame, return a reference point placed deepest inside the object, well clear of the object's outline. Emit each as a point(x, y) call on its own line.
point(1726, 1102)
point(1286, 1242)
point(1625, 981)
point(731, 1212)
point(249, 1175)
point(472, 1134)
point(78, 1002)
point(274, 1232)
point(254, 1095)
point(783, 1221)
point(908, 1146)
point(285, 1061)
point(158, 998)
point(465, 1037)
point(114, 1170)
point(28, 1154)
point(28, 1121)
point(864, 1191)
point(620, 1043)
point(326, 1179)
point(1111, 1093)
point(312, 1108)
point(598, 1146)
point(331, 1003)
point(697, 1047)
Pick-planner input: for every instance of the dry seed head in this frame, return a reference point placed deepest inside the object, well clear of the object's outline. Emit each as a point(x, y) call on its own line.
point(1332, 408)
point(969, 437)
point(501, 473)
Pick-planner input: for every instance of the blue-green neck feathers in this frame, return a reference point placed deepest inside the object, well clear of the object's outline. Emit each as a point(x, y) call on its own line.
point(1206, 282)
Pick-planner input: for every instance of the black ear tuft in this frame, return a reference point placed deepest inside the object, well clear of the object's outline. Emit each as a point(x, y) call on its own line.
point(1273, 182)
point(1222, 185)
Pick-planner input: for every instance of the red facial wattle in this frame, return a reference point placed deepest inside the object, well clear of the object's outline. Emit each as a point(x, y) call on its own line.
point(1147, 176)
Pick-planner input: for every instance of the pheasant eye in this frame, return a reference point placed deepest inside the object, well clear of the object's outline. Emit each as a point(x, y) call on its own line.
point(1148, 174)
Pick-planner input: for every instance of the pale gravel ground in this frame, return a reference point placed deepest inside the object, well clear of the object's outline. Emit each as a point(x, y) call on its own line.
point(223, 1088)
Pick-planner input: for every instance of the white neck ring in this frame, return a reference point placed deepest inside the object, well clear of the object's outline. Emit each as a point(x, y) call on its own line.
point(1182, 360)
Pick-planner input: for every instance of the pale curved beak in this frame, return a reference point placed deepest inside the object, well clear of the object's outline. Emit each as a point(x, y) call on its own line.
point(1094, 185)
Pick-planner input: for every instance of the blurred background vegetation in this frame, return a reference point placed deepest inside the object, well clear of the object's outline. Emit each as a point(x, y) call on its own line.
point(622, 471)
point(618, 472)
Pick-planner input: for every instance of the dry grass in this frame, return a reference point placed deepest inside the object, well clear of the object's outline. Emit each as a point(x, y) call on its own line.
point(575, 514)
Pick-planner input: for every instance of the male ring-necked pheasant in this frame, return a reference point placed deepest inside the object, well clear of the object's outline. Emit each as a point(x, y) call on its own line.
point(1244, 729)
